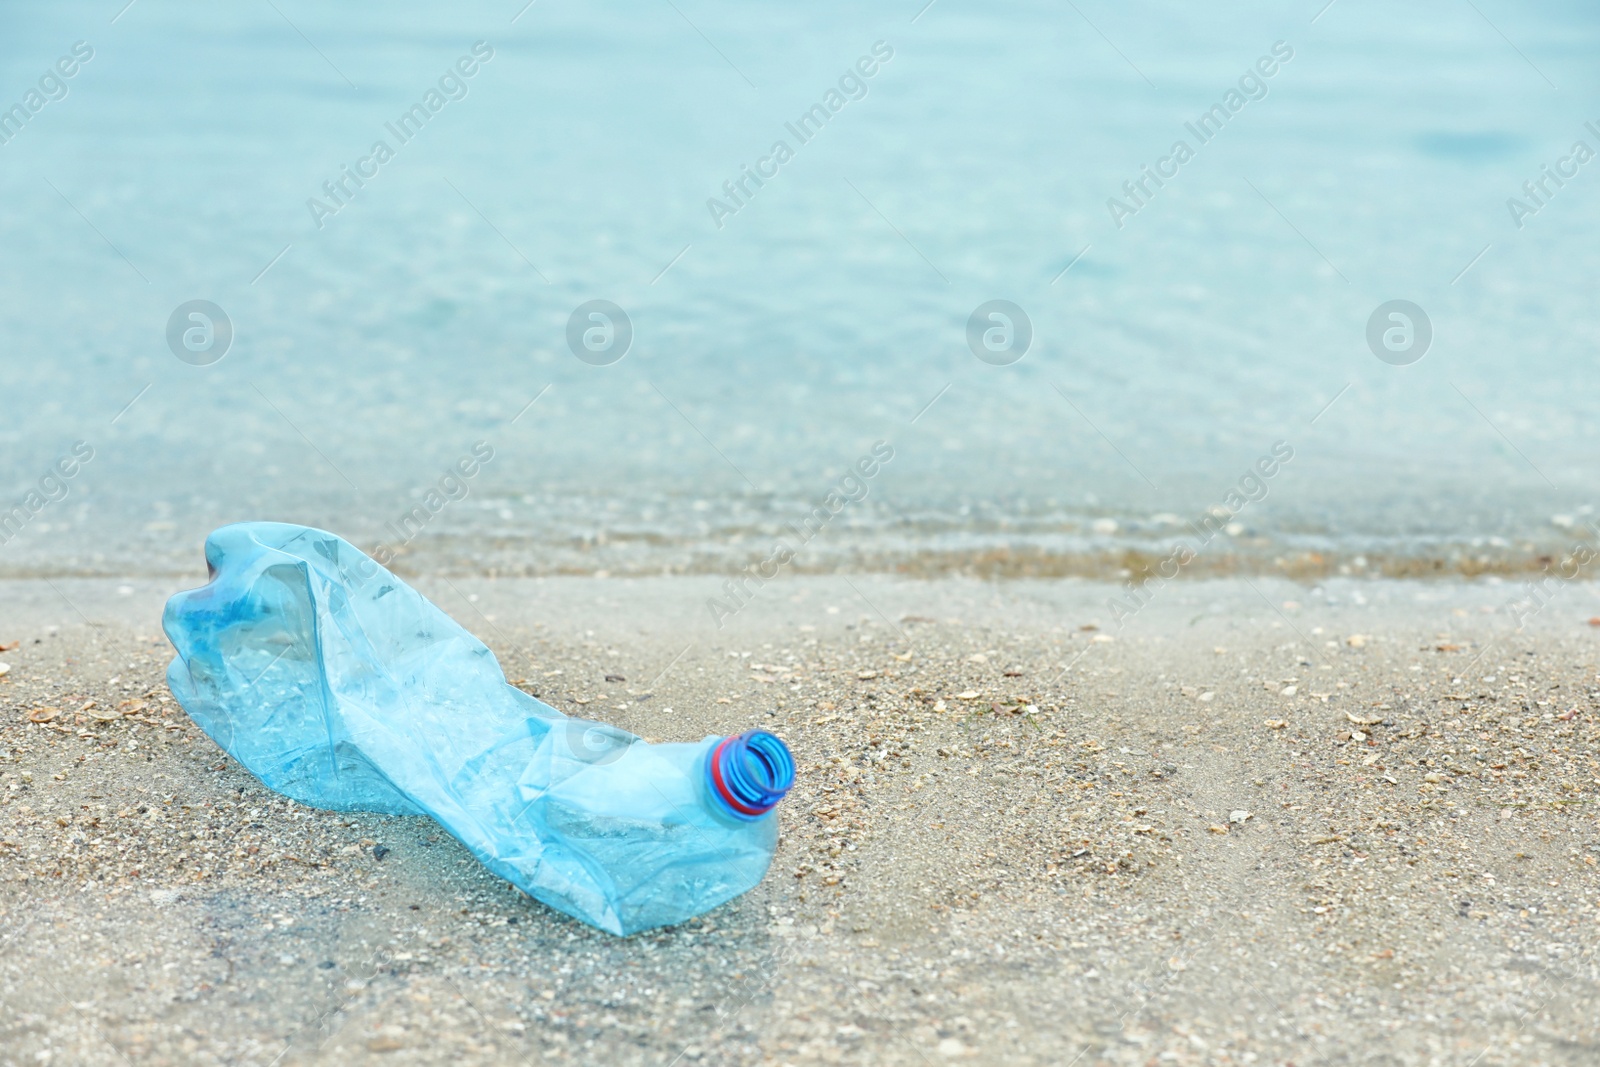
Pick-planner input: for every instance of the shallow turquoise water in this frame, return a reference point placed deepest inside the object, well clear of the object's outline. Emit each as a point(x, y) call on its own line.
point(769, 353)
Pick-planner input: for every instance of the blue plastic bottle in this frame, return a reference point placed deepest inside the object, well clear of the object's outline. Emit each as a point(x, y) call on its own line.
point(338, 685)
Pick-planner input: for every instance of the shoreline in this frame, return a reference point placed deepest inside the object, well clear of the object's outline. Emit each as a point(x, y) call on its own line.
point(643, 556)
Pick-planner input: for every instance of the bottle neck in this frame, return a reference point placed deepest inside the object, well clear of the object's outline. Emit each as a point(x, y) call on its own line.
point(749, 773)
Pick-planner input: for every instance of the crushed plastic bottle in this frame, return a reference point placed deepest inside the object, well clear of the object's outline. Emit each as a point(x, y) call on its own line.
point(338, 685)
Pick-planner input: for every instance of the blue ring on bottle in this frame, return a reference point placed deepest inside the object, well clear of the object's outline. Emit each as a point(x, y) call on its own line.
point(750, 773)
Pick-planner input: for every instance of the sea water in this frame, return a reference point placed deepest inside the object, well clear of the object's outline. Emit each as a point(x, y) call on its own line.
point(389, 319)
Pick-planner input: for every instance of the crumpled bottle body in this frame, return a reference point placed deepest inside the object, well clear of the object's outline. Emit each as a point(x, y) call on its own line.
point(341, 687)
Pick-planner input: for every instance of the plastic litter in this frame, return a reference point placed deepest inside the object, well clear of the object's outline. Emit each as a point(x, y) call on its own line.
point(341, 687)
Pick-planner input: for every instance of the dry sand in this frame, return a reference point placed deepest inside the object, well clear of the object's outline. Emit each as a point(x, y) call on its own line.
point(1264, 823)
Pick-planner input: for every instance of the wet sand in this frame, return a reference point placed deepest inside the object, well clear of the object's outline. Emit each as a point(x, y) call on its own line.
point(1262, 823)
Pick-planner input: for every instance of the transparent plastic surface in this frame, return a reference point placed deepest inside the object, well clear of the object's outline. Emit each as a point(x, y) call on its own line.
point(338, 685)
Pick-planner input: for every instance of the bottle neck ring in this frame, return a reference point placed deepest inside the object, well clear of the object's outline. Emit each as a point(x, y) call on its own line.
point(750, 773)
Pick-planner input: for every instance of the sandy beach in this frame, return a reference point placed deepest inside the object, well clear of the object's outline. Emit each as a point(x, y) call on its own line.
point(1261, 823)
